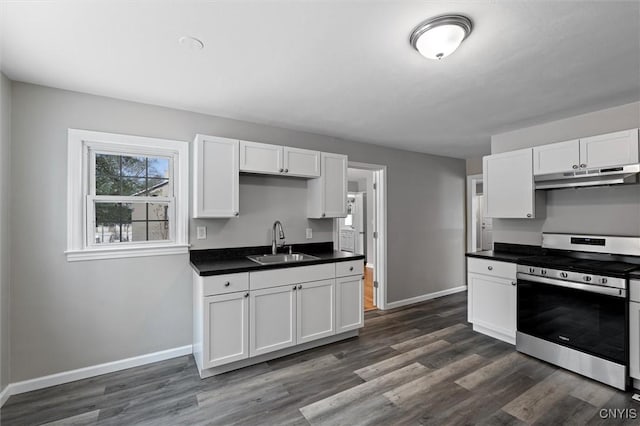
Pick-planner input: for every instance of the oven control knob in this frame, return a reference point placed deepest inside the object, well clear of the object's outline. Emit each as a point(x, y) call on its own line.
point(587, 278)
point(531, 270)
point(564, 274)
point(543, 271)
point(604, 281)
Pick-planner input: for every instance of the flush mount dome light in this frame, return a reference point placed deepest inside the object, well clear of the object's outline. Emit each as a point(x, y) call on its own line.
point(439, 37)
point(191, 42)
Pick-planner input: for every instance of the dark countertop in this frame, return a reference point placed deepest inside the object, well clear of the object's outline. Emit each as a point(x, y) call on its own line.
point(504, 252)
point(502, 256)
point(229, 261)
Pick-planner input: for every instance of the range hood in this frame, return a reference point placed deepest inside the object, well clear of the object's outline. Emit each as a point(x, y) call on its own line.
point(589, 177)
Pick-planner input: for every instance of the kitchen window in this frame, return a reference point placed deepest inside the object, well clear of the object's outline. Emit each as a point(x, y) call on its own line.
point(127, 196)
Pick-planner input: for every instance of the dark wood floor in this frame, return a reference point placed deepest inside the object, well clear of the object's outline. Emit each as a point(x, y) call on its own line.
point(421, 364)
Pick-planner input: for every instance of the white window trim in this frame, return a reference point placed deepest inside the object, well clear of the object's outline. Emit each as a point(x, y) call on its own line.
point(78, 181)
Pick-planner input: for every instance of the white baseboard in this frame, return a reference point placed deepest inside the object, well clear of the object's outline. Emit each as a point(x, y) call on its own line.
point(418, 299)
point(92, 371)
point(4, 395)
point(369, 265)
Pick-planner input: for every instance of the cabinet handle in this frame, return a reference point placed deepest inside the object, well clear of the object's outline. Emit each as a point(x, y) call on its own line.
point(281, 170)
point(575, 166)
point(582, 166)
point(236, 213)
point(351, 268)
point(490, 268)
point(295, 287)
point(286, 170)
point(528, 214)
point(227, 284)
point(300, 287)
point(323, 214)
point(513, 283)
point(246, 295)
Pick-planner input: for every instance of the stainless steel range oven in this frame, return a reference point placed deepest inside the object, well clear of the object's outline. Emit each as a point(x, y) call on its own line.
point(572, 306)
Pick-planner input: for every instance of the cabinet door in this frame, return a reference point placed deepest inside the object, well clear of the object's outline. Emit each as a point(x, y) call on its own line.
point(349, 303)
point(215, 181)
point(272, 318)
point(260, 158)
point(634, 340)
point(612, 149)
point(315, 303)
point(556, 157)
point(508, 184)
point(226, 328)
point(301, 162)
point(493, 304)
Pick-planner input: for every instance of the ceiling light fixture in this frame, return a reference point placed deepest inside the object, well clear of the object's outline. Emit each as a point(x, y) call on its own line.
point(191, 42)
point(439, 37)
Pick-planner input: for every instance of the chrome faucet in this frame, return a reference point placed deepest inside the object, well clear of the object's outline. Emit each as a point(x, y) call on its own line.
point(274, 246)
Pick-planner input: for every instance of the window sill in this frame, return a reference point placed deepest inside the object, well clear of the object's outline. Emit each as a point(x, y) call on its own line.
point(124, 252)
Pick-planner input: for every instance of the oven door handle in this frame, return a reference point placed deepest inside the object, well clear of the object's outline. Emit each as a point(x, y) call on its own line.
point(609, 291)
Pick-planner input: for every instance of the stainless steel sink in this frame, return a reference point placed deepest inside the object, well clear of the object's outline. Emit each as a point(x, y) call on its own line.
point(271, 259)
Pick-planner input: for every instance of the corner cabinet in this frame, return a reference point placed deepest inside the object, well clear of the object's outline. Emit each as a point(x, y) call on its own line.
point(269, 159)
point(327, 195)
point(216, 182)
point(492, 298)
point(509, 186)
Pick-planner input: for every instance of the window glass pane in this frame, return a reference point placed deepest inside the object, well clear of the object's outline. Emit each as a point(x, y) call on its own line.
point(133, 166)
point(131, 222)
point(158, 167)
point(134, 186)
point(158, 187)
point(130, 175)
point(107, 185)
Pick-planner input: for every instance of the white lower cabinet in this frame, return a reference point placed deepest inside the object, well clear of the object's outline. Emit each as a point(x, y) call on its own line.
point(272, 317)
point(315, 303)
point(277, 309)
point(492, 298)
point(226, 329)
point(349, 303)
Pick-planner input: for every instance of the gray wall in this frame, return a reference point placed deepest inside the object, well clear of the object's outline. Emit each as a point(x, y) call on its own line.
point(474, 166)
point(5, 138)
point(608, 210)
point(71, 315)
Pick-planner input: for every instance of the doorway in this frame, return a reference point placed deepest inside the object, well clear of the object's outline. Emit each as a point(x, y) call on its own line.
point(479, 227)
point(363, 230)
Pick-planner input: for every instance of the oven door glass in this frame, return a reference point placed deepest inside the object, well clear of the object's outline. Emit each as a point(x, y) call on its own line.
point(590, 322)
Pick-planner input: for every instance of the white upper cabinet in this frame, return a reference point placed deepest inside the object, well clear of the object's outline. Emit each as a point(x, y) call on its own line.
point(508, 184)
point(301, 162)
point(278, 160)
point(261, 158)
point(327, 195)
point(612, 149)
point(556, 157)
point(216, 177)
point(609, 150)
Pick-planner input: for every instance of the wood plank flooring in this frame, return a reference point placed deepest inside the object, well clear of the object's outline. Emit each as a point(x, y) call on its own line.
point(368, 290)
point(421, 364)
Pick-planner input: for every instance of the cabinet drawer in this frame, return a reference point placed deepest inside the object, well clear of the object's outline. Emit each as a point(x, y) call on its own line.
point(284, 276)
point(220, 284)
point(352, 267)
point(492, 267)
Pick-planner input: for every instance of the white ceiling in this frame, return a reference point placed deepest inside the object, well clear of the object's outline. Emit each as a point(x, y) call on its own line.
point(337, 67)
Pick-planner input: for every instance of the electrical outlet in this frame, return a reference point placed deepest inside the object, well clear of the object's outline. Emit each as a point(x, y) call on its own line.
point(309, 233)
point(202, 233)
